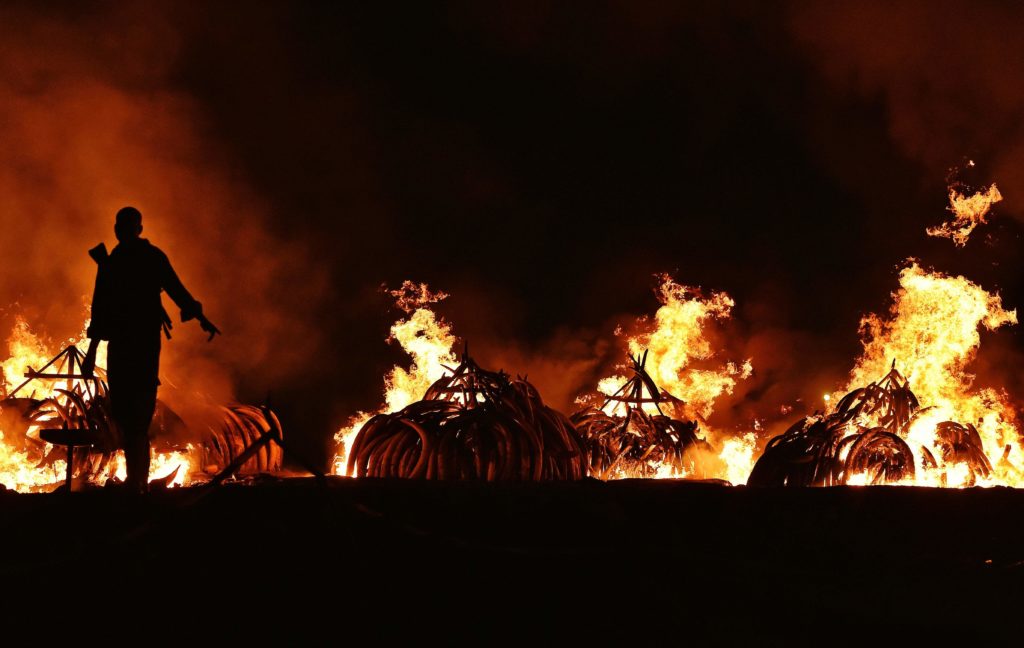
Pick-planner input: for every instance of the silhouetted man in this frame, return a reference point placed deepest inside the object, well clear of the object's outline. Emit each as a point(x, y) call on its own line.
point(128, 313)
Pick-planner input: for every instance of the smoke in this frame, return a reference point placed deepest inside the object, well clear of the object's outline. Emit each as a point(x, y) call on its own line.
point(945, 71)
point(91, 120)
point(944, 74)
point(487, 152)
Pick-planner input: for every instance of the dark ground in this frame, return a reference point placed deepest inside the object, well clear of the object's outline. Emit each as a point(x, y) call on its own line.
point(624, 563)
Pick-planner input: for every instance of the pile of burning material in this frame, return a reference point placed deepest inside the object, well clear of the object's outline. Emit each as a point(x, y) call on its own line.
point(64, 398)
point(625, 440)
point(870, 438)
point(475, 425)
point(240, 427)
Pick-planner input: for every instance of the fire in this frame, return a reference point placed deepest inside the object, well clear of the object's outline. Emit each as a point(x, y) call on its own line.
point(428, 340)
point(933, 333)
point(18, 471)
point(738, 455)
point(163, 465)
point(675, 344)
point(679, 339)
point(969, 212)
point(25, 350)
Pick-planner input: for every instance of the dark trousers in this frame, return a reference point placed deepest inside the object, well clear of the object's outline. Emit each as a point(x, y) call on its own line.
point(133, 364)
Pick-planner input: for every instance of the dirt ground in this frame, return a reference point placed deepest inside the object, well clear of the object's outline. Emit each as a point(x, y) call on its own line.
point(374, 562)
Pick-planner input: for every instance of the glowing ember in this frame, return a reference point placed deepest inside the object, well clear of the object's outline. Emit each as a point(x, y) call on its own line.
point(428, 340)
point(969, 212)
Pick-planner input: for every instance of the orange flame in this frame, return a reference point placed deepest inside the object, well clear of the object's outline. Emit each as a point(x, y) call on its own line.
point(428, 340)
point(969, 212)
point(677, 340)
point(18, 471)
point(933, 334)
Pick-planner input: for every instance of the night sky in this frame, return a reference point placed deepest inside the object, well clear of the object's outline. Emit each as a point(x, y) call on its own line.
point(538, 161)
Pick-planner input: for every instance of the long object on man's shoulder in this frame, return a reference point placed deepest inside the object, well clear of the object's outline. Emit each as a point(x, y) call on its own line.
point(99, 253)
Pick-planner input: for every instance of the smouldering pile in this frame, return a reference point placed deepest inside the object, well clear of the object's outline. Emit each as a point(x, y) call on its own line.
point(865, 441)
point(475, 425)
point(636, 443)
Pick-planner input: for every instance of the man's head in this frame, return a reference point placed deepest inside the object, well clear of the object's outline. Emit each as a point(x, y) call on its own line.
point(128, 224)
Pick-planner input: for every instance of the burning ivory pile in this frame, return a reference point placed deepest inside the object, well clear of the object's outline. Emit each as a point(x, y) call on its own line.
point(869, 439)
point(625, 440)
point(65, 400)
point(472, 424)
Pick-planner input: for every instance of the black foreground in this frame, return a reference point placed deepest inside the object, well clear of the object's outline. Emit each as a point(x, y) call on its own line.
point(628, 563)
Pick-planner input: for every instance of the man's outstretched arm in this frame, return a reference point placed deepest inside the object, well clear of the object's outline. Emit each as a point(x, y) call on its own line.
point(190, 308)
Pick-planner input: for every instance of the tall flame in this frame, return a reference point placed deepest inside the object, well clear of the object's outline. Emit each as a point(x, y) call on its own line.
point(676, 342)
point(428, 340)
point(678, 339)
point(933, 334)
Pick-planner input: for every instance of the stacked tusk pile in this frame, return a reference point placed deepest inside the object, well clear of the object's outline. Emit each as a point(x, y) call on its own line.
point(474, 425)
point(624, 440)
point(866, 438)
point(83, 403)
point(239, 427)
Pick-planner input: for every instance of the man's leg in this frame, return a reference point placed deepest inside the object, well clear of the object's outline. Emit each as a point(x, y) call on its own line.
point(133, 366)
point(142, 403)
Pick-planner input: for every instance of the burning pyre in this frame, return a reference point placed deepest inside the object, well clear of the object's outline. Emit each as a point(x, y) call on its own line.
point(865, 441)
point(58, 396)
point(678, 355)
point(472, 424)
point(624, 440)
point(639, 441)
point(930, 428)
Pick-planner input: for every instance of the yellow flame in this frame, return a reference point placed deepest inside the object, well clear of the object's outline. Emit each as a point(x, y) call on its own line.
point(933, 333)
point(428, 340)
point(21, 472)
point(677, 341)
point(738, 455)
point(968, 211)
point(162, 464)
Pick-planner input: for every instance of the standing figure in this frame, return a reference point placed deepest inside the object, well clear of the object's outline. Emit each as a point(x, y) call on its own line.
point(127, 312)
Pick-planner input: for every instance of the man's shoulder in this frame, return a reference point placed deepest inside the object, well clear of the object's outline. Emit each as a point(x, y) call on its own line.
point(140, 251)
point(153, 250)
